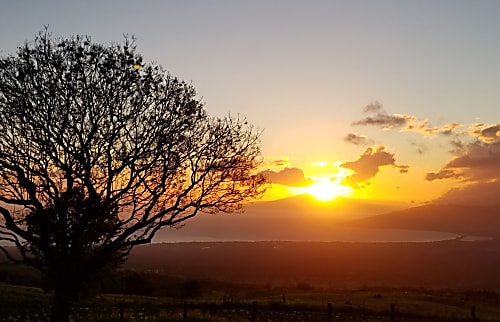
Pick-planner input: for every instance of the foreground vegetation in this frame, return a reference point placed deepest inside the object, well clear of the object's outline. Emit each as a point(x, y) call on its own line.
point(134, 296)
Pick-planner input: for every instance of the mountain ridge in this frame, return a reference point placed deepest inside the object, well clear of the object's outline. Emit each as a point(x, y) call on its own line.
point(482, 220)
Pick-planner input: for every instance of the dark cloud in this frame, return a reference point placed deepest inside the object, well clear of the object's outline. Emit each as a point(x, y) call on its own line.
point(385, 121)
point(403, 168)
point(357, 139)
point(486, 133)
point(380, 117)
point(406, 123)
point(373, 107)
point(476, 193)
point(457, 146)
point(293, 177)
point(479, 162)
point(477, 165)
point(443, 174)
point(368, 165)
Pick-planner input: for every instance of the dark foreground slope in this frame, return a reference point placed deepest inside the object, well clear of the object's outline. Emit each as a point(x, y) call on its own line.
point(447, 264)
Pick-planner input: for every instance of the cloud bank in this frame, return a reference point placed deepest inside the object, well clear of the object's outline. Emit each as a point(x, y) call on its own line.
point(477, 164)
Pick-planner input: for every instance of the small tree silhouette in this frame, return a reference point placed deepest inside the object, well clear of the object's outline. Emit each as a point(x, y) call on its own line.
point(99, 150)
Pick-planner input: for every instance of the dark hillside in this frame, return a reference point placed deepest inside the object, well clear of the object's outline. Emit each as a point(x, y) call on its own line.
point(460, 219)
point(448, 264)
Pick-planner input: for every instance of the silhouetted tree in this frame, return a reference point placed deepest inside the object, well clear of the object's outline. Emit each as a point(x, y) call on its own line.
point(99, 150)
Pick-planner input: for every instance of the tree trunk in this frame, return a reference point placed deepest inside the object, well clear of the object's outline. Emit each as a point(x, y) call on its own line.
point(61, 304)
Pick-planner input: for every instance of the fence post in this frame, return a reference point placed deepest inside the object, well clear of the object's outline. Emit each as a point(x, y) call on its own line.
point(122, 311)
point(254, 311)
point(284, 298)
point(185, 312)
point(393, 312)
point(330, 311)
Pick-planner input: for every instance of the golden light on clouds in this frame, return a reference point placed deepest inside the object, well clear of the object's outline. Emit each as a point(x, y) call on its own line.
point(323, 181)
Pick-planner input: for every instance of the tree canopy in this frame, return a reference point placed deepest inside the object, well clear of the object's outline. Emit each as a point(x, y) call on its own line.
point(99, 150)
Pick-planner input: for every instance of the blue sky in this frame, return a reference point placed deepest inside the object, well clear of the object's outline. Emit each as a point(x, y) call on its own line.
point(304, 70)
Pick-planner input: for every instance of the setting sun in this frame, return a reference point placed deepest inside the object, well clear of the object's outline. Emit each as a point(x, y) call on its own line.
point(325, 189)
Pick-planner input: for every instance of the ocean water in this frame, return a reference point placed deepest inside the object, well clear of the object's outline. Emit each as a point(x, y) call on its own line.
point(337, 234)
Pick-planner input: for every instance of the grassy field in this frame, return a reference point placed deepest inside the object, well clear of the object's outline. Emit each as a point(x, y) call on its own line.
point(245, 303)
point(280, 282)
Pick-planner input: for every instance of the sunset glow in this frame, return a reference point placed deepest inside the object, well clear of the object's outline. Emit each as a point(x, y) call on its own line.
point(198, 158)
point(324, 189)
point(319, 109)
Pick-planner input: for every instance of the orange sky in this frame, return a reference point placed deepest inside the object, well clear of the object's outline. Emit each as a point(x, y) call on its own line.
point(469, 173)
point(391, 99)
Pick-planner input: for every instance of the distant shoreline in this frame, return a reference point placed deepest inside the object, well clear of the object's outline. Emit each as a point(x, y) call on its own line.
point(336, 234)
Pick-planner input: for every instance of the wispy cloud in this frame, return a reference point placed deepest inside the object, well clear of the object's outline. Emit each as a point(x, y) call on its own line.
point(374, 107)
point(368, 165)
point(444, 174)
point(383, 120)
point(357, 139)
point(276, 162)
point(405, 123)
point(458, 146)
point(421, 148)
